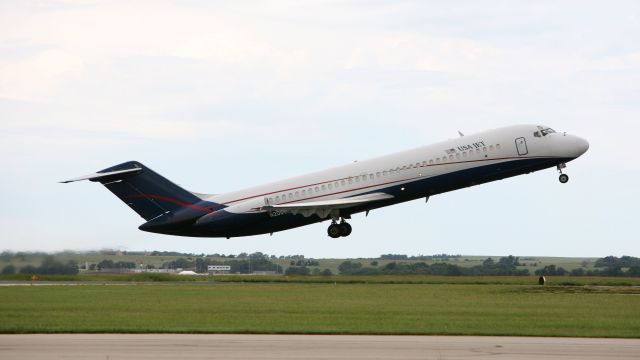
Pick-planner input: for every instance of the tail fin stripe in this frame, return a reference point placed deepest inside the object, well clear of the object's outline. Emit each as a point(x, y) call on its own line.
point(170, 200)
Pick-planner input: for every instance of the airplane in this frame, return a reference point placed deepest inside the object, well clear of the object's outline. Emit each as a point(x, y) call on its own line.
point(340, 192)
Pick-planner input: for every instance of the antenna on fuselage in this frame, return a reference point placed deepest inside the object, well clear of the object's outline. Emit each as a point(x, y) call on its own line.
point(461, 134)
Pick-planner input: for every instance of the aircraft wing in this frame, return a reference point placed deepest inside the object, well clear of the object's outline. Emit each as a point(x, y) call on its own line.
point(322, 208)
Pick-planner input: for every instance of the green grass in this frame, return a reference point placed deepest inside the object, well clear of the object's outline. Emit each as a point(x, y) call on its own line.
point(341, 279)
point(325, 308)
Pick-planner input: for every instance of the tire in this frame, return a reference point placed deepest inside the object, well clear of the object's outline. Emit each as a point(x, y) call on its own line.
point(564, 178)
point(345, 229)
point(334, 231)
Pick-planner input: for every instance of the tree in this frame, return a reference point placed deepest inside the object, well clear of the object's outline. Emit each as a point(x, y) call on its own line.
point(6, 256)
point(509, 261)
point(488, 262)
point(297, 270)
point(348, 267)
point(551, 270)
point(201, 265)
point(393, 257)
point(578, 272)
point(52, 267)
point(29, 269)
point(634, 271)
point(105, 264)
point(124, 265)
point(9, 270)
point(258, 256)
point(613, 262)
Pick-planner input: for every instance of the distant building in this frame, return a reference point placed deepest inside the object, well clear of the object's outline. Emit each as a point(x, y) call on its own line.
point(218, 269)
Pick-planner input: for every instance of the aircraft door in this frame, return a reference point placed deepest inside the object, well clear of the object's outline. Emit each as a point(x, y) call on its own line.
point(521, 145)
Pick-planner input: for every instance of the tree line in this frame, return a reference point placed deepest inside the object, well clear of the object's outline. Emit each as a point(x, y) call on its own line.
point(504, 266)
point(299, 265)
point(49, 266)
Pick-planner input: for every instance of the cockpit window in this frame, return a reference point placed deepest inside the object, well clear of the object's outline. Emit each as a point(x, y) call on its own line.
point(543, 131)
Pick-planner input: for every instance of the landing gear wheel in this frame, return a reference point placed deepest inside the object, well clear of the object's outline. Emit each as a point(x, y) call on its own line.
point(345, 229)
point(564, 178)
point(334, 231)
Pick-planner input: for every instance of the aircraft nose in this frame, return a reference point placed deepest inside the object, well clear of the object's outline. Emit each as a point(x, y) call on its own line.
point(581, 145)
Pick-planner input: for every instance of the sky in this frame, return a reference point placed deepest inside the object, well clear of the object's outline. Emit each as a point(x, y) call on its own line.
point(218, 96)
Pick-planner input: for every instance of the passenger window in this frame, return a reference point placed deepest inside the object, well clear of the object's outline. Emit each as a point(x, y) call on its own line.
point(342, 182)
point(464, 154)
point(370, 176)
point(270, 200)
point(424, 163)
point(378, 174)
point(278, 198)
point(490, 147)
point(384, 173)
point(290, 196)
point(458, 156)
point(304, 193)
point(484, 149)
point(350, 180)
point(324, 188)
point(317, 189)
point(330, 186)
point(437, 160)
point(498, 146)
point(450, 157)
point(336, 184)
point(297, 195)
point(431, 162)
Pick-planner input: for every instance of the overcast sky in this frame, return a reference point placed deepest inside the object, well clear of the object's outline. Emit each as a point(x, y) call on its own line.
point(218, 96)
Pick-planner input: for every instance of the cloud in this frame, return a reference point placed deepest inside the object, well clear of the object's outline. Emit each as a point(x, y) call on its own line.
point(293, 86)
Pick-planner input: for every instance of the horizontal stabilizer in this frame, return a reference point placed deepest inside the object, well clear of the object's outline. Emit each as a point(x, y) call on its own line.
point(98, 175)
point(146, 192)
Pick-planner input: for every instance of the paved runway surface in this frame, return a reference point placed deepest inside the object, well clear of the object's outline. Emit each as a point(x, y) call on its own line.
point(168, 346)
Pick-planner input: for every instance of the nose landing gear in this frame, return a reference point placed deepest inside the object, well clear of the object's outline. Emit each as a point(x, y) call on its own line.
point(564, 178)
point(337, 230)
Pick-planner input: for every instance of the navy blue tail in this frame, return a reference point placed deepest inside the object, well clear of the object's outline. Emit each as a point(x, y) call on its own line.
point(148, 193)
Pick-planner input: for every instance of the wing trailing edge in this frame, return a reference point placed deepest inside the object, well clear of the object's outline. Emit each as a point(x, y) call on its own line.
point(323, 208)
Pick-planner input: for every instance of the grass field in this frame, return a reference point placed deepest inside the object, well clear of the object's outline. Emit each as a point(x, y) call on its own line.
point(325, 308)
point(342, 279)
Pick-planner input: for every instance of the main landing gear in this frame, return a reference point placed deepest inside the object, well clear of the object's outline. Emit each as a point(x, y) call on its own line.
point(564, 178)
point(337, 230)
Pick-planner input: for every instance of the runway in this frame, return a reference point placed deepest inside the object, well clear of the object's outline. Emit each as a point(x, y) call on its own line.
point(183, 346)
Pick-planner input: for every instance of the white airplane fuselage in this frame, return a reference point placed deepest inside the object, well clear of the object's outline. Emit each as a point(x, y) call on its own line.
point(339, 192)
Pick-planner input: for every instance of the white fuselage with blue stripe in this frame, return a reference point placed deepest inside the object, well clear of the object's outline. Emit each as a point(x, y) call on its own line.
point(339, 192)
